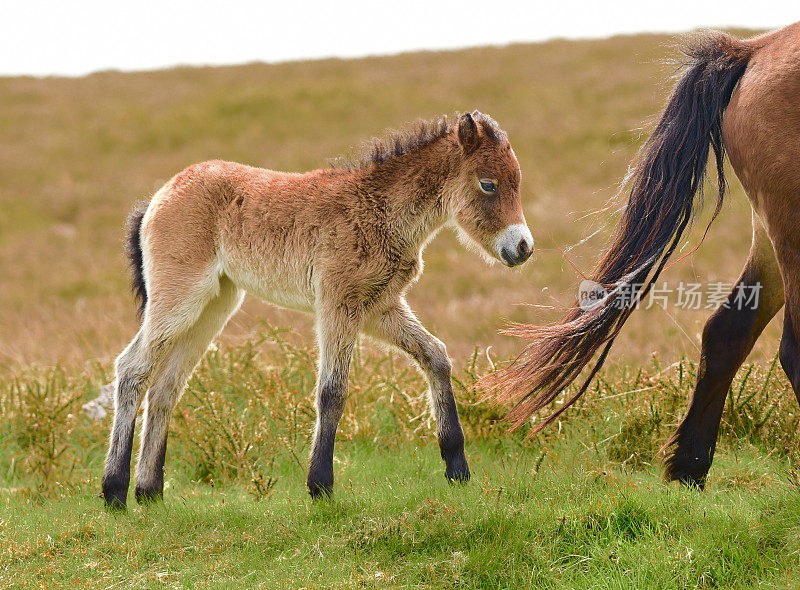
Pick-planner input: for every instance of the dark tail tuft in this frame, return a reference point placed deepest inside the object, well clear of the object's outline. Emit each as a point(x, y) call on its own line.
point(665, 183)
point(133, 249)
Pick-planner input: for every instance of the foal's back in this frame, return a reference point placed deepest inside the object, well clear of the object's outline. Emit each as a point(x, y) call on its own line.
point(260, 228)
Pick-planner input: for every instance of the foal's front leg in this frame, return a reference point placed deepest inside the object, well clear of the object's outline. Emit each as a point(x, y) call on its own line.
point(400, 327)
point(337, 332)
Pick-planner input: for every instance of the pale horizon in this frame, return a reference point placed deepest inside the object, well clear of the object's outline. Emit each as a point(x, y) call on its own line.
point(63, 40)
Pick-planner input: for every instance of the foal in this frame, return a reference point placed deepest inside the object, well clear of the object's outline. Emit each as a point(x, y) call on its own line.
point(343, 243)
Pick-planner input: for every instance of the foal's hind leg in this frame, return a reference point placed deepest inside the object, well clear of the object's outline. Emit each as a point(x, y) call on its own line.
point(400, 327)
point(174, 369)
point(133, 369)
point(728, 337)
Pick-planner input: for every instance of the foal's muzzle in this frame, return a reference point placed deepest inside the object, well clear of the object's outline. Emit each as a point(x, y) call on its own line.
point(514, 244)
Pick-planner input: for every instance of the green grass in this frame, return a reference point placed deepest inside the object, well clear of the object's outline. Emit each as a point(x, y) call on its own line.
point(582, 505)
point(570, 521)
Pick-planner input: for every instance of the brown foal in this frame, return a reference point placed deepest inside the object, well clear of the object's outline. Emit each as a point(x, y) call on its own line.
point(343, 243)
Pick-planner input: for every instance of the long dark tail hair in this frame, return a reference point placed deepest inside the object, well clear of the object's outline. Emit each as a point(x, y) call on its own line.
point(133, 249)
point(665, 187)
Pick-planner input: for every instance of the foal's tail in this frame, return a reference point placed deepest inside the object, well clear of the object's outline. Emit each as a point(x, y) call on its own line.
point(133, 249)
point(665, 185)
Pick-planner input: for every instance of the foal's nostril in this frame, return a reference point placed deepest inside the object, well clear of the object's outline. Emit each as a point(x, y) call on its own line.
point(524, 249)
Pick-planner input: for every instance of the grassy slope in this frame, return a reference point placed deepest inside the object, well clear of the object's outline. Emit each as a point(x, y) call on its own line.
point(75, 154)
point(581, 505)
point(398, 524)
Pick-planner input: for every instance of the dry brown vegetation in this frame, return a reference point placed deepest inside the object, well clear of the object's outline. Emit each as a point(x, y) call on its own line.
point(75, 154)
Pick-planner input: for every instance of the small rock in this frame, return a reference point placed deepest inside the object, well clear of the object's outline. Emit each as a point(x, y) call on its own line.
point(97, 409)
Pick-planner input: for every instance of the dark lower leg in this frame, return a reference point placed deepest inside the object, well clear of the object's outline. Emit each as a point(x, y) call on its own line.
point(150, 471)
point(450, 436)
point(332, 392)
point(790, 352)
point(728, 338)
point(401, 328)
point(132, 373)
point(448, 426)
point(117, 474)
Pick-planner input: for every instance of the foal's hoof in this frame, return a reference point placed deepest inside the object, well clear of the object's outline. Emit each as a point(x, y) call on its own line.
point(115, 495)
point(319, 490)
point(115, 501)
point(458, 472)
point(146, 496)
point(320, 483)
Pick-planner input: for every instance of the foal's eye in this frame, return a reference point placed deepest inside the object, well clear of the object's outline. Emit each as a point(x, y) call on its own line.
point(488, 186)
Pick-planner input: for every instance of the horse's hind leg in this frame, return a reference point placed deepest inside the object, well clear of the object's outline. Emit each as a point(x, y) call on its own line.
point(728, 337)
point(133, 369)
point(400, 327)
point(174, 369)
point(790, 341)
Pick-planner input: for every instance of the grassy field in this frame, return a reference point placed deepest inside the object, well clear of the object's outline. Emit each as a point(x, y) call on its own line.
point(567, 526)
point(581, 505)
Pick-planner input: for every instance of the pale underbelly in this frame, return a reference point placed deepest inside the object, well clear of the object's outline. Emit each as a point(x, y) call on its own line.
point(275, 286)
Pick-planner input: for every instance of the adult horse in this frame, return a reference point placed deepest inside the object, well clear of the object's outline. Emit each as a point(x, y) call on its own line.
point(739, 96)
point(343, 243)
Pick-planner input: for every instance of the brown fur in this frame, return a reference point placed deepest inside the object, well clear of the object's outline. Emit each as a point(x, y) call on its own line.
point(343, 243)
point(735, 95)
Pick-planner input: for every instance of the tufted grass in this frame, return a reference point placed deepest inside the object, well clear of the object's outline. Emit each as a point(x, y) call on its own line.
point(582, 505)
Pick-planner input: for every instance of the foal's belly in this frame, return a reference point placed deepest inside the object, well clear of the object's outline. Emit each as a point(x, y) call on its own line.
point(284, 287)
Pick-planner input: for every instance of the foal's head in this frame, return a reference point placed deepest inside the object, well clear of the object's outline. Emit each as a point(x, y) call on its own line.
point(484, 198)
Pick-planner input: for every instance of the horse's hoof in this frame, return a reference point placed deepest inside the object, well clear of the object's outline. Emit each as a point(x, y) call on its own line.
point(691, 474)
point(690, 481)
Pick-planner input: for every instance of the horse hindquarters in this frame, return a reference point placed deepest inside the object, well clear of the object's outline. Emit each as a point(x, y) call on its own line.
point(762, 127)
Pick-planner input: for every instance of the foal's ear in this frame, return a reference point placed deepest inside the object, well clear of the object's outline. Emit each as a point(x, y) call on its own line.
point(468, 135)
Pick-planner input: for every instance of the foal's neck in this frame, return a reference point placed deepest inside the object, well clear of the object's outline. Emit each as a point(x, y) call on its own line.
point(410, 189)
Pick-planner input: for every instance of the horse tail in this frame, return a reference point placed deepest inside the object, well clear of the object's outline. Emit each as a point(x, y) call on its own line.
point(665, 193)
point(133, 250)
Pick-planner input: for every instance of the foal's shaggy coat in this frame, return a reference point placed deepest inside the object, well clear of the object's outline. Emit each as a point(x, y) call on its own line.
point(742, 96)
point(344, 243)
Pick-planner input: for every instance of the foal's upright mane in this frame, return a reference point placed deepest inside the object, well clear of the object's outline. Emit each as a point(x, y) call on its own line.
point(398, 142)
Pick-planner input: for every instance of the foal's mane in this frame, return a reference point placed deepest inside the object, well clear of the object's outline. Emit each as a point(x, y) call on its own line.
point(397, 142)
